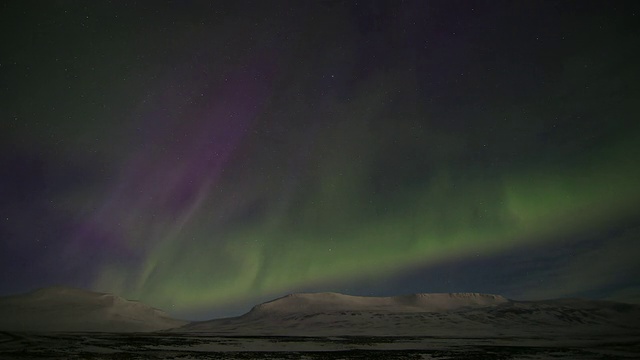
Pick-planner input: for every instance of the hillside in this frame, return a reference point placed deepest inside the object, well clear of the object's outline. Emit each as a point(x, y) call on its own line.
point(457, 314)
point(68, 309)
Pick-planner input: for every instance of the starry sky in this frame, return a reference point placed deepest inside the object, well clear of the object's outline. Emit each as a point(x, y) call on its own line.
point(206, 156)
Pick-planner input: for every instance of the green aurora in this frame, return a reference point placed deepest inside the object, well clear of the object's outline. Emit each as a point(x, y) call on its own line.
point(230, 161)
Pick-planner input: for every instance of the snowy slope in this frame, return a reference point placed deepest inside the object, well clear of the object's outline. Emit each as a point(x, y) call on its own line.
point(67, 309)
point(457, 315)
point(332, 302)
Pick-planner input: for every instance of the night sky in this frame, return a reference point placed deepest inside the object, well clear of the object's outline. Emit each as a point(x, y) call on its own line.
point(205, 156)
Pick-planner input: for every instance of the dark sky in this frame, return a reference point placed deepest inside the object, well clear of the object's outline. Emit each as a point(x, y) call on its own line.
point(204, 156)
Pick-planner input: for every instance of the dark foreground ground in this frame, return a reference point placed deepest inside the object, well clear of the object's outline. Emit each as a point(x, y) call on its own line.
point(199, 346)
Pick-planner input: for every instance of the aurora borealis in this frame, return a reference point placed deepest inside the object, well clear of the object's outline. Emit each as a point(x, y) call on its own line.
point(203, 156)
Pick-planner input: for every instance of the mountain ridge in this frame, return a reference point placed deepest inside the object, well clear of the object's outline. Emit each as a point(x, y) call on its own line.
point(331, 301)
point(60, 308)
point(329, 314)
point(425, 314)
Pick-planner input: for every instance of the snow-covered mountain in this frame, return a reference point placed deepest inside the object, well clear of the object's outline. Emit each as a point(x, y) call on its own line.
point(68, 309)
point(457, 315)
point(332, 314)
point(335, 302)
